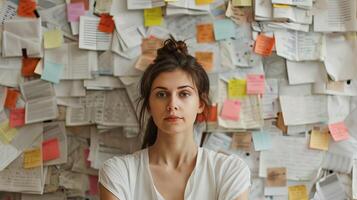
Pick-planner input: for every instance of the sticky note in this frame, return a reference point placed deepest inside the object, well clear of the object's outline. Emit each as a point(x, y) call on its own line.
point(205, 59)
point(153, 16)
point(276, 177)
point(264, 45)
point(85, 2)
point(231, 110)
point(50, 149)
point(52, 72)
point(255, 84)
point(74, 11)
point(262, 141)
point(32, 158)
point(319, 138)
point(242, 2)
point(93, 185)
point(28, 66)
point(53, 39)
point(204, 33)
point(223, 29)
point(7, 134)
point(203, 2)
point(17, 117)
point(297, 192)
point(26, 8)
point(237, 88)
point(339, 131)
point(11, 98)
point(242, 141)
point(106, 23)
point(210, 114)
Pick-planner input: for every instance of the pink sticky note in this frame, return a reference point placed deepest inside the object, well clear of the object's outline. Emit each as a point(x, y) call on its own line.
point(17, 117)
point(50, 149)
point(231, 110)
point(255, 84)
point(93, 185)
point(338, 131)
point(74, 11)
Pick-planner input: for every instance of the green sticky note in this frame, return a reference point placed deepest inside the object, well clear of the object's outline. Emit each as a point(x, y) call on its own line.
point(52, 72)
point(223, 29)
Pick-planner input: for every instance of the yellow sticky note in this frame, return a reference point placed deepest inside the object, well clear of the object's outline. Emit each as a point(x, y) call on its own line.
point(280, 6)
point(237, 88)
point(32, 158)
point(153, 16)
point(202, 2)
point(297, 192)
point(319, 138)
point(242, 2)
point(53, 39)
point(6, 132)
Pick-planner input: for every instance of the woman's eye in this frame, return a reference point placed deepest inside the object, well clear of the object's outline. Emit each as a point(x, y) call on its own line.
point(161, 94)
point(185, 94)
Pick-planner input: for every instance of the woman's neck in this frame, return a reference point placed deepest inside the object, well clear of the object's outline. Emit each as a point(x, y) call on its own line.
point(173, 150)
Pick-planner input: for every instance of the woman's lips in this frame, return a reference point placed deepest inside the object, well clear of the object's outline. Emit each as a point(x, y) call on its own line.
point(172, 118)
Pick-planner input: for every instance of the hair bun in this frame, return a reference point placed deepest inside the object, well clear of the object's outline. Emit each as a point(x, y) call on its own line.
point(172, 45)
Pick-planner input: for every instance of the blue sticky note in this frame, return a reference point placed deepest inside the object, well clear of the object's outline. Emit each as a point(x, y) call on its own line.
point(262, 141)
point(52, 72)
point(223, 29)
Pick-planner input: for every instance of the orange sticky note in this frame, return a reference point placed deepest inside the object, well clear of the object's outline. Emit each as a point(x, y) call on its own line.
point(264, 45)
point(17, 117)
point(339, 131)
point(26, 8)
point(86, 3)
point(203, 2)
point(11, 98)
point(106, 23)
point(211, 114)
point(205, 59)
point(28, 66)
point(204, 33)
point(32, 158)
point(50, 149)
point(231, 110)
point(255, 84)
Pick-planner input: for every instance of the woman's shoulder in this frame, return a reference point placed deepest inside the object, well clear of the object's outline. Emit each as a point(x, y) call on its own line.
point(220, 159)
point(128, 161)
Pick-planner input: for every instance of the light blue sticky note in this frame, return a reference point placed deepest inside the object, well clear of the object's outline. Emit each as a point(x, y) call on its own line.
point(262, 141)
point(223, 29)
point(52, 72)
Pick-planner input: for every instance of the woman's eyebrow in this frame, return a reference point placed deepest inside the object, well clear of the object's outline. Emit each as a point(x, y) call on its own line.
point(180, 87)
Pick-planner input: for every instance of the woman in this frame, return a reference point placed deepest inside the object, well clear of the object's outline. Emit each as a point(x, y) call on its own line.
point(174, 90)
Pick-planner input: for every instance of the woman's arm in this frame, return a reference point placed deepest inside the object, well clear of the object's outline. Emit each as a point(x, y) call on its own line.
point(105, 194)
point(244, 195)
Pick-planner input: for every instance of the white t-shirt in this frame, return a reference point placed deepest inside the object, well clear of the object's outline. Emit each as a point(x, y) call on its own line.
point(215, 177)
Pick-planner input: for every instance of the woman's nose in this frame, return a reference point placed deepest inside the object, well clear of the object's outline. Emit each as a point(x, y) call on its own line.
point(172, 104)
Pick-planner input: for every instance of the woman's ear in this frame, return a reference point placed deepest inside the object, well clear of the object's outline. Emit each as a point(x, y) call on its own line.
point(201, 107)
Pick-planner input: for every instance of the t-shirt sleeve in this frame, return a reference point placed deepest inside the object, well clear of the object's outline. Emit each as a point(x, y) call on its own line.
point(114, 176)
point(235, 178)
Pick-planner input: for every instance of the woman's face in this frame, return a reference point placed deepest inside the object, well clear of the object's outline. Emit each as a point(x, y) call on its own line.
point(174, 102)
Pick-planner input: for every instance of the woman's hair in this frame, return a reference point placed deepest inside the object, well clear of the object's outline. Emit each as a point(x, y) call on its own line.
point(173, 55)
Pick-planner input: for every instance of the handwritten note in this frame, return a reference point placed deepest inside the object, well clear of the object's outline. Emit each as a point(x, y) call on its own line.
point(319, 138)
point(205, 59)
point(153, 16)
point(204, 33)
point(255, 84)
point(264, 45)
point(338, 131)
point(223, 29)
point(32, 158)
point(50, 149)
point(7, 134)
point(106, 24)
point(17, 117)
point(262, 141)
point(231, 110)
point(11, 98)
point(52, 72)
point(28, 66)
point(242, 141)
point(26, 8)
point(74, 11)
point(237, 88)
point(276, 177)
point(297, 192)
point(53, 39)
